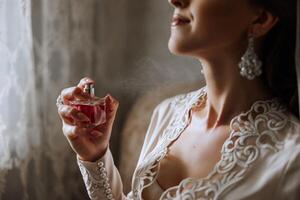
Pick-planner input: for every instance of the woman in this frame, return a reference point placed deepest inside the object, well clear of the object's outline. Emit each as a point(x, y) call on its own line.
point(236, 138)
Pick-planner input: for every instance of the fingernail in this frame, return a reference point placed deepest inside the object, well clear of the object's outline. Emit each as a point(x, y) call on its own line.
point(108, 99)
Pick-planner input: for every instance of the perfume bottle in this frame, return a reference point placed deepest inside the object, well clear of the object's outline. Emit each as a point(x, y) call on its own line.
point(94, 109)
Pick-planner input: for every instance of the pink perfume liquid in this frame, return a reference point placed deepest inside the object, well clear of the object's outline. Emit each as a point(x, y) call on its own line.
point(94, 109)
point(96, 113)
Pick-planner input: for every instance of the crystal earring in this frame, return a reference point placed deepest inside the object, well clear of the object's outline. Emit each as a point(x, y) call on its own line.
point(250, 65)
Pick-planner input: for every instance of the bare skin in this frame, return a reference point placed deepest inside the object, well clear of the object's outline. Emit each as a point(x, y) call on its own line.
point(203, 150)
point(217, 36)
point(88, 144)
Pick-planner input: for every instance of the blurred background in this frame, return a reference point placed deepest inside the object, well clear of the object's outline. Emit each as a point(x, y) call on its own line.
point(48, 45)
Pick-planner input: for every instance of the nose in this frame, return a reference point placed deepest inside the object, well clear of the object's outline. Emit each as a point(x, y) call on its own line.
point(178, 3)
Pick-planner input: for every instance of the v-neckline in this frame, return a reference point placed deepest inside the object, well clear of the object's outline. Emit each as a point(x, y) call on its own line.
point(190, 104)
point(231, 130)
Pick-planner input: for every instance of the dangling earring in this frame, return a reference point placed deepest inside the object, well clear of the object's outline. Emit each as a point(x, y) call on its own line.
point(250, 65)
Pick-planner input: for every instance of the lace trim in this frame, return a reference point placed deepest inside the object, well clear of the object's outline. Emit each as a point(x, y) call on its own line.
point(252, 131)
point(257, 129)
point(93, 184)
point(146, 173)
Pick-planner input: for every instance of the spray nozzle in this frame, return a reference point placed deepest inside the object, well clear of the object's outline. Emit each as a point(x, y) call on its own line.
point(90, 89)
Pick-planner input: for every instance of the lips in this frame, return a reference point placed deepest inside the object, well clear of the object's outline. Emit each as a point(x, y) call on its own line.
point(179, 20)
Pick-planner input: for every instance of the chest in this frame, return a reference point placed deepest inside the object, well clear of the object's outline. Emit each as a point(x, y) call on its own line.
point(193, 154)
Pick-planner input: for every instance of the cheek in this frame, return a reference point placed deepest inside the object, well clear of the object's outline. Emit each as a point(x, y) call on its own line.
point(216, 23)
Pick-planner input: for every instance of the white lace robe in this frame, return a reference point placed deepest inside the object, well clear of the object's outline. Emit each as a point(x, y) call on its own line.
point(260, 160)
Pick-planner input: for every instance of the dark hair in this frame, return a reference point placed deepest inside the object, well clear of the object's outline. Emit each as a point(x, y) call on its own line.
point(278, 52)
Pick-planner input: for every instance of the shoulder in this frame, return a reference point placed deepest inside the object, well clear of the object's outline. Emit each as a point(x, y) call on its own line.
point(291, 132)
point(162, 116)
point(290, 175)
point(290, 153)
point(180, 101)
point(175, 106)
point(292, 139)
point(295, 123)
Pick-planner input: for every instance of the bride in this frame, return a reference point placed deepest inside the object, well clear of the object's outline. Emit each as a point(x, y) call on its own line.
point(236, 138)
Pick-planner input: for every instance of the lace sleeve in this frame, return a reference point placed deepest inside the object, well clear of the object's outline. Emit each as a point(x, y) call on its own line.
point(102, 178)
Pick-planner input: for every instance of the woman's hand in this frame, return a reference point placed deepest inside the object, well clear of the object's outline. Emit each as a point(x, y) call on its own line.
point(89, 144)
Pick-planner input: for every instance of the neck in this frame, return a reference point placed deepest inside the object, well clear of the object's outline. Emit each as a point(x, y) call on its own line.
point(228, 93)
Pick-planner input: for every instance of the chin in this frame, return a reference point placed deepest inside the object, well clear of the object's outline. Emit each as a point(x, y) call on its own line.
point(190, 48)
point(176, 47)
point(180, 48)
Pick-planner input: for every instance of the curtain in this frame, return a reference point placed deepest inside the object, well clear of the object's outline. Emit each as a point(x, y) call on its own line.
point(18, 113)
point(47, 45)
point(44, 46)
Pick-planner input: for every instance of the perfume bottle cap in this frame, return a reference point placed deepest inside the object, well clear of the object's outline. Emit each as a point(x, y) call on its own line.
point(90, 89)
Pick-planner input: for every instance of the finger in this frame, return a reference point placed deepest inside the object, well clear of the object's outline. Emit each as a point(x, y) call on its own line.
point(70, 115)
point(62, 112)
point(96, 133)
point(73, 132)
point(111, 109)
point(84, 81)
point(111, 105)
point(72, 93)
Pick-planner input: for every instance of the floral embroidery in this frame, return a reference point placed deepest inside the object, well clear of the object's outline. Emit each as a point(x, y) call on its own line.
point(257, 129)
point(146, 173)
point(253, 131)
